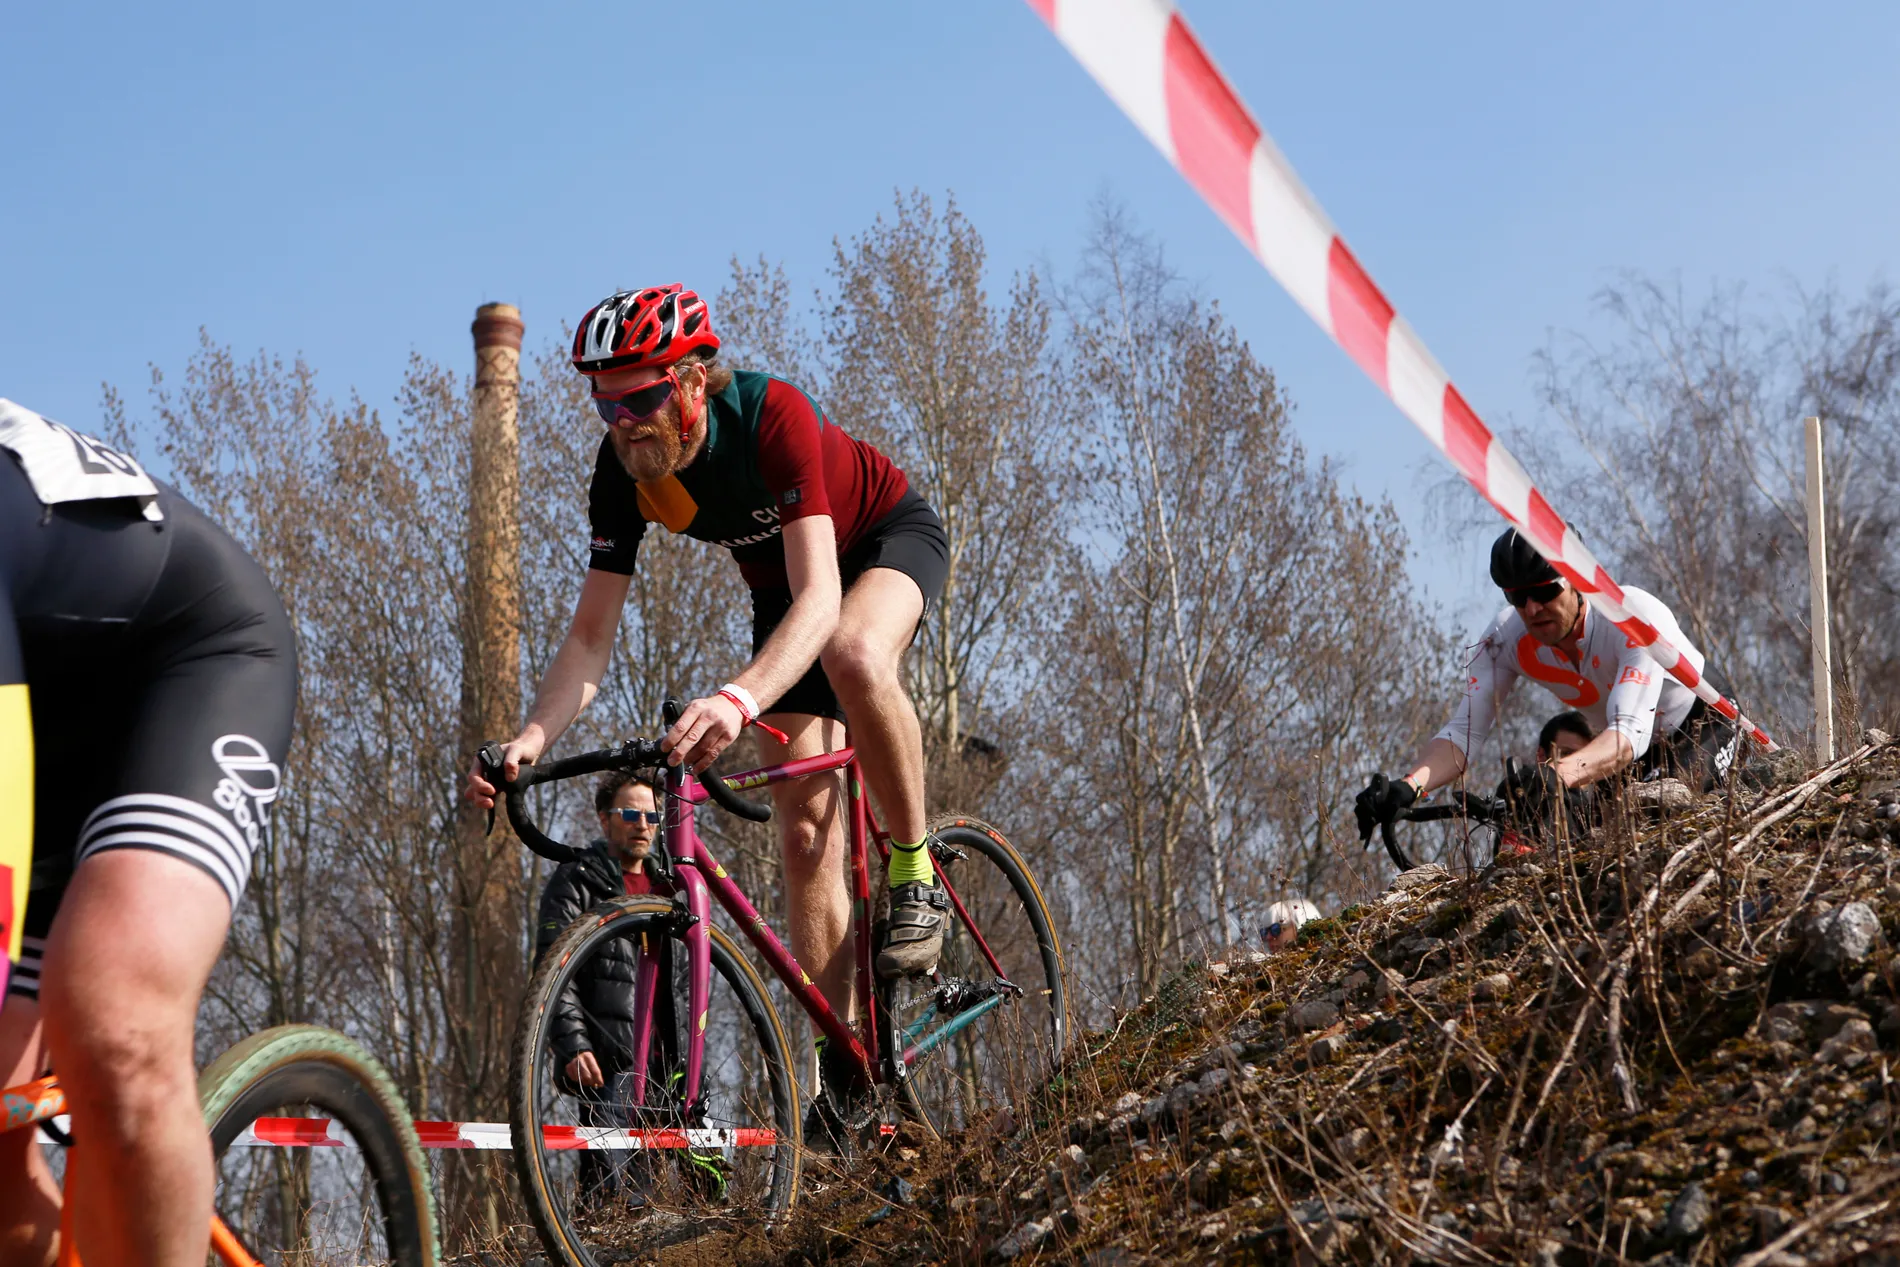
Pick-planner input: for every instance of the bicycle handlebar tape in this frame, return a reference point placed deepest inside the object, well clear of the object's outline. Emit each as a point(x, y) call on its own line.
point(1143, 54)
point(732, 802)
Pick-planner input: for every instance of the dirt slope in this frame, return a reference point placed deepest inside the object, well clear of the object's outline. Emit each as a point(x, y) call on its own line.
point(1670, 1043)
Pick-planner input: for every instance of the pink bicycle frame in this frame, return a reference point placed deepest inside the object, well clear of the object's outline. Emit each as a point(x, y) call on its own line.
point(701, 880)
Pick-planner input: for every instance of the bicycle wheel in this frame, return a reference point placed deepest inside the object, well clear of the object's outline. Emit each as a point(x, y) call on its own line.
point(605, 1180)
point(351, 1189)
point(973, 1039)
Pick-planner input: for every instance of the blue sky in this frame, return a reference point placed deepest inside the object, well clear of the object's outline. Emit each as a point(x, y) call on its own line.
point(350, 180)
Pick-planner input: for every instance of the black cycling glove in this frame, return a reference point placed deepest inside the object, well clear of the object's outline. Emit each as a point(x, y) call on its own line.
point(1534, 794)
point(1382, 801)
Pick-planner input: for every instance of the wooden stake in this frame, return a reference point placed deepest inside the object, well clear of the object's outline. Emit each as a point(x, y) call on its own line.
point(1817, 599)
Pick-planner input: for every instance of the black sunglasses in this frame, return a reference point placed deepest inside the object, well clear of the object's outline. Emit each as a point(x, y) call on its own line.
point(1545, 593)
point(638, 815)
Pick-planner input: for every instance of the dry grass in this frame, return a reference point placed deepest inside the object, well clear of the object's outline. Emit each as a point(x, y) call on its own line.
point(1532, 1064)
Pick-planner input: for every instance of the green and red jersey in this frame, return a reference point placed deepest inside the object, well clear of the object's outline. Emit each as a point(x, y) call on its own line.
point(771, 456)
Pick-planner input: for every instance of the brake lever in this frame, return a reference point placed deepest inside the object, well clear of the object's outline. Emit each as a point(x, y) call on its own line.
point(490, 755)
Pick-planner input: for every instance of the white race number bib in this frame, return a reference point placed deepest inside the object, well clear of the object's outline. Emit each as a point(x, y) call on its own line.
point(64, 465)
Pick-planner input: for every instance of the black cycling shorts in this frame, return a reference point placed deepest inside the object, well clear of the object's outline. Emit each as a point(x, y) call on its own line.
point(910, 540)
point(1702, 750)
point(161, 671)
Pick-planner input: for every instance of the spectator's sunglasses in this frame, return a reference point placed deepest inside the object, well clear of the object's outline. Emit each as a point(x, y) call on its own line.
point(638, 815)
point(636, 404)
point(1269, 931)
point(1545, 593)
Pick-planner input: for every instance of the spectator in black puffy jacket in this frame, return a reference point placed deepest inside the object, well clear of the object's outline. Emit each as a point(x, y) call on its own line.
point(592, 1033)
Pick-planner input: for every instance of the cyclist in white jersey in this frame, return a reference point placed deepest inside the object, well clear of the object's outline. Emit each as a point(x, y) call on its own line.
point(1641, 714)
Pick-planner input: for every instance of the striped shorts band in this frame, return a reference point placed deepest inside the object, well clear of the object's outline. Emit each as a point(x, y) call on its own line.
point(184, 829)
point(25, 979)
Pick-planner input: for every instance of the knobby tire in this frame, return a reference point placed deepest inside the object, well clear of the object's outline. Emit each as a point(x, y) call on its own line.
point(655, 917)
point(305, 1065)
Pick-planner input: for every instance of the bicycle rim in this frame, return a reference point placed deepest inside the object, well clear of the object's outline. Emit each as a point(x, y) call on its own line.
point(317, 1159)
point(977, 1041)
point(604, 1180)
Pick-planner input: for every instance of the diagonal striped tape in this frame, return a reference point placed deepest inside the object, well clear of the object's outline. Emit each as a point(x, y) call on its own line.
point(1143, 54)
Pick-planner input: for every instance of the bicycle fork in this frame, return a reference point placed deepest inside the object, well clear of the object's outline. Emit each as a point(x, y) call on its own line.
point(698, 946)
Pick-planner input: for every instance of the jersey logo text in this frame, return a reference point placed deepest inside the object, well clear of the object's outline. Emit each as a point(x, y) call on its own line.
point(1570, 688)
point(251, 782)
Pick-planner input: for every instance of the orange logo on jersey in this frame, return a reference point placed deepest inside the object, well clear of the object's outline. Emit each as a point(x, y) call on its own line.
point(1632, 674)
point(1583, 691)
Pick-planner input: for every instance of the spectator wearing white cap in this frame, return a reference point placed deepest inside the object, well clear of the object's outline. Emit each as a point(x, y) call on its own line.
point(1282, 928)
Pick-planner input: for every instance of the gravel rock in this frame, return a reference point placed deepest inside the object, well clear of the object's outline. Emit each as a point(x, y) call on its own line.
point(1128, 1103)
point(1787, 1023)
point(1495, 986)
point(1420, 877)
point(1770, 1221)
point(1840, 938)
point(1313, 1014)
point(1829, 1018)
point(1023, 1238)
point(1663, 795)
point(1689, 1214)
point(1850, 1046)
point(1390, 1029)
point(1325, 1051)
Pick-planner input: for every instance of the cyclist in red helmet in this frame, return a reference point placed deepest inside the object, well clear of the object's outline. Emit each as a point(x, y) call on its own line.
point(843, 560)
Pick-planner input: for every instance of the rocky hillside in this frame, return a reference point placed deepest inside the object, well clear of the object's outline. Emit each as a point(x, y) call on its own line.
point(1670, 1043)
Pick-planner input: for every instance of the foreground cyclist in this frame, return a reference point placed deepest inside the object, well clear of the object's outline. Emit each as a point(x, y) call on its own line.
point(843, 559)
point(1641, 715)
point(161, 675)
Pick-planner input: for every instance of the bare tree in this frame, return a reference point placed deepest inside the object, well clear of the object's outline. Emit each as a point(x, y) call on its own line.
point(1682, 456)
point(1216, 578)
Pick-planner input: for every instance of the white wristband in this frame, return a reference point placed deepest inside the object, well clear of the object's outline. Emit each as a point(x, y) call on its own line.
point(743, 698)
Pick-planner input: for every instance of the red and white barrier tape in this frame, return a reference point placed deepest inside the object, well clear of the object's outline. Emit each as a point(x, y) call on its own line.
point(1143, 54)
point(320, 1132)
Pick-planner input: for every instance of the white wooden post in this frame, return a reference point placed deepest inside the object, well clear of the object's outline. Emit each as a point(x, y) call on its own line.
point(1817, 599)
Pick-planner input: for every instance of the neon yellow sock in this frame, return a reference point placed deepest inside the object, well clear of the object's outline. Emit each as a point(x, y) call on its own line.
point(908, 863)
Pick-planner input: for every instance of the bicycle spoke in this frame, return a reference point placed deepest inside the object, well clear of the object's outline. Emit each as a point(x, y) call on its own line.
point(973, 1040)
point(631, 1168)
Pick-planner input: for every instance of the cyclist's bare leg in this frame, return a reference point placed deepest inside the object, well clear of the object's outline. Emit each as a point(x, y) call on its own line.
point(810, 816)
point(134, 942)
point(29, 1199)
point(876, 622)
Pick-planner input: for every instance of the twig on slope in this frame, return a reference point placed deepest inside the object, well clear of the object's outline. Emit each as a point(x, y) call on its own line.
point(1517, 1088)
point(1354, 1081)
point(1449, 1027)
point(1556, 1070)
point(1613, 1035)
point(1449, 1146)
point(1808, 1224)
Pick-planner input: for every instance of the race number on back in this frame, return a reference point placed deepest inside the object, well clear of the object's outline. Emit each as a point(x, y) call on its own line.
point(63, 465)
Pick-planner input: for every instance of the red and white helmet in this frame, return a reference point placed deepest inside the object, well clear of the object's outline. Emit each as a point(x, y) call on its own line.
point(655, 326)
